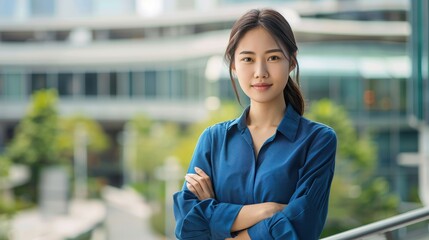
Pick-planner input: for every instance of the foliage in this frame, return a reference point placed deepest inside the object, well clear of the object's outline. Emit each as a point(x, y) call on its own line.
point(4, 166)
point(98, 141)
point(357, 196)
point(35, 138)
point(189, 138)
point(147, 144)
point(35, 142)
point(42, 138)
point(150, 143)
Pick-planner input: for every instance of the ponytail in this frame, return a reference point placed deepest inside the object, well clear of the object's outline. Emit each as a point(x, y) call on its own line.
point(293, 96)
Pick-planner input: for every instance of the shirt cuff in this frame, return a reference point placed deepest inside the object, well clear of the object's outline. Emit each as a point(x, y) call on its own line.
point(259, 231)
point(222, 219)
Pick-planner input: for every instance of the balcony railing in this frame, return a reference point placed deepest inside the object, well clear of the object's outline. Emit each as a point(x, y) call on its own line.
point(384, 227)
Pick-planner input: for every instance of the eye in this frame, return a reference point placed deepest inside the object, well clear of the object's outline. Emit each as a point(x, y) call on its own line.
point(273, 58)
point(246, 59)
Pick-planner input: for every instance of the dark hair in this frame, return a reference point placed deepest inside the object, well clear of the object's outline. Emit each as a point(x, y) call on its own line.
point(273, 22)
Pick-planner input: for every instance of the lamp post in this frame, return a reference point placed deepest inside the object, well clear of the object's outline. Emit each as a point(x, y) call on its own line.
point(128, 141)
point(80, 162)
point(170, 172)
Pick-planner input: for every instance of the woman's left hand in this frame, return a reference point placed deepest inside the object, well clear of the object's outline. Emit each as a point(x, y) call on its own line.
point(200, 184)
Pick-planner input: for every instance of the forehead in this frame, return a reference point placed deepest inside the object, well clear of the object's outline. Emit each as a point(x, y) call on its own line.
point(257, 38)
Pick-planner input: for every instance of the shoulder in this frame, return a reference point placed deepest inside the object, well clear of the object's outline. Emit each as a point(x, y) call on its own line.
point(219, 129)
point(319, 130)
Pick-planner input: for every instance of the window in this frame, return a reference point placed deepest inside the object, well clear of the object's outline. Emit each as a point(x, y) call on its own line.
point(150, 86)
point(113, 84)
point(42, 8)
point(377, 95)
point(350, 93)
point(90, 84)
point(317, 87)
point(136, 84)
point(12, 85)
point(7, 8)
point(65, 84)
point(83, 7)
point(38, 81)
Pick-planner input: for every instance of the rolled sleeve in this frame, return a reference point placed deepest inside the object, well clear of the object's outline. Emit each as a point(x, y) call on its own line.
point(207, 219)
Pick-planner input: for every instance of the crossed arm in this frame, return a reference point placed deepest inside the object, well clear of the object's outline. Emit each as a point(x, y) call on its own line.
point(200, 184)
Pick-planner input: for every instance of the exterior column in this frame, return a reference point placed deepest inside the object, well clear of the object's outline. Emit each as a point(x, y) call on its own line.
point(424, 165)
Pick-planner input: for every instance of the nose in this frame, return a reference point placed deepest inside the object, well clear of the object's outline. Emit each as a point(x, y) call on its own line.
point(261, 70)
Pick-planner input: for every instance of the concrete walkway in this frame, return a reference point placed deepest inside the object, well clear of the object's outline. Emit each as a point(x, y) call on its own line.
point(128, 215)
point(83, 217)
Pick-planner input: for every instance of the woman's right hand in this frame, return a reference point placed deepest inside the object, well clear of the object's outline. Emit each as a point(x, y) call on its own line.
point(200, 184)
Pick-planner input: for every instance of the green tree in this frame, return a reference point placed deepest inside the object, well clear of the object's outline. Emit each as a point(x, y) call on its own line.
point(98, 141)
point(42, 139)
point(188, 139)
point(147, 144)
point(151, 143)
point(4, 167)
point(35, 140)
point(358, 196)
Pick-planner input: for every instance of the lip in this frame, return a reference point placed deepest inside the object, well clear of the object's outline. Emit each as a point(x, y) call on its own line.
point(261, 86)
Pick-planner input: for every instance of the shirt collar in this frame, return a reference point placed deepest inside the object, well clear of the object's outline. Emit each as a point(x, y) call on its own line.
point(288, 126)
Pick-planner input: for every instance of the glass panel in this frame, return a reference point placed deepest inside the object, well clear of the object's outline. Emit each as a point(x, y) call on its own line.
point(226, 90)
point(38, 81)
point(42, 7)
point(113, 84)
point(171, 82)
point(65, 84)
point(13, 85)
point(150, 86)
point(83, 7)
point(350, 93)
point(318, 88)
point(377, 95)
point(181, 84)
point(137, 82)
point(91, 84)
point(403, 95)
point(113, 7)
point(7, 8)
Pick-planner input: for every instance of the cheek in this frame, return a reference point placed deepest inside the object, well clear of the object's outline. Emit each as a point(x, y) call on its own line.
point(243, 72)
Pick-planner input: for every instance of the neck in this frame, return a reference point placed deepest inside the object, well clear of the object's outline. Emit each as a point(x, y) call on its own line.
point(266, 115)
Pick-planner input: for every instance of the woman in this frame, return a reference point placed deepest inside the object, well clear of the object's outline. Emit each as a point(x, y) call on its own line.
point(266, 174)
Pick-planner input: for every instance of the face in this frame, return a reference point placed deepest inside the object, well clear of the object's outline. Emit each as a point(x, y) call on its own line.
point(261, 67)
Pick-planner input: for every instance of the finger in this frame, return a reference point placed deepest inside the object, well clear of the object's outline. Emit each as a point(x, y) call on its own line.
point(192, 179)
point(204, 183)
point(192, 189)
point(200, 172)
point(206, 178)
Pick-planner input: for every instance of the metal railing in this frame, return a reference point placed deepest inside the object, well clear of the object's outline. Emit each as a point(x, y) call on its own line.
point(384, 227)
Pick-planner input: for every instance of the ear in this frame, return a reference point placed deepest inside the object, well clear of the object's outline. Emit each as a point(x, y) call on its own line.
point(292, 64)
point(233, 68)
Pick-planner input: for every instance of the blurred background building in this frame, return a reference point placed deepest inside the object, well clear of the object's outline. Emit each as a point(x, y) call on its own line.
point(112, 59)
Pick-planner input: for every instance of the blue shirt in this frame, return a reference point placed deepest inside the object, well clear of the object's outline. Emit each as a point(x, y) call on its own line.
point(295, 166)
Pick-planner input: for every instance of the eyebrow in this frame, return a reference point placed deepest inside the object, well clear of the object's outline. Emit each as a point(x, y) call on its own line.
point(268, 51)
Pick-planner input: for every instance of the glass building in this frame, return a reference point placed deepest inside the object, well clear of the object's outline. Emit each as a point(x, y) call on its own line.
point(111, 59)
